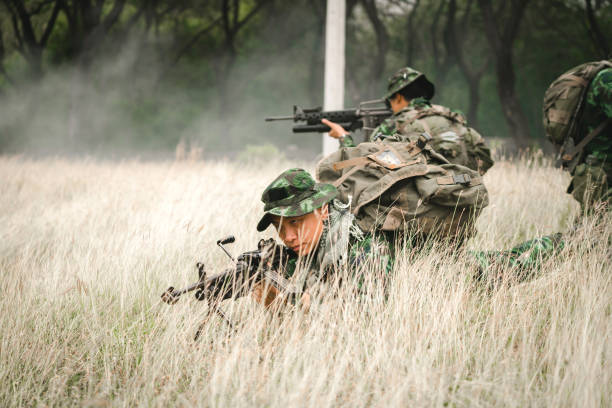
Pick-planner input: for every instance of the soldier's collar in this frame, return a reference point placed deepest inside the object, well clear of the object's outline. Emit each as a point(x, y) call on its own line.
point(419, 103)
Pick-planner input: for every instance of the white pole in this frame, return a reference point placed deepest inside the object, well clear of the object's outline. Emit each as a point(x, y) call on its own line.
point(333, 97)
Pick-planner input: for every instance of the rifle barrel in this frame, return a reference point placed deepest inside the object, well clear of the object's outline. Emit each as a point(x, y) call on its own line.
point(274, 118)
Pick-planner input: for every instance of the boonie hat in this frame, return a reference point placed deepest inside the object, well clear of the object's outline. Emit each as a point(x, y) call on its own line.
point(292, 194)
point(407, 76)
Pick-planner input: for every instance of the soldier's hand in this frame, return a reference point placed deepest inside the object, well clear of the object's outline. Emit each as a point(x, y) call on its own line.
point(337, 131)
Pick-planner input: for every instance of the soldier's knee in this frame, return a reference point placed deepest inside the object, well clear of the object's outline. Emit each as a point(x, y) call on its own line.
point(590, 185)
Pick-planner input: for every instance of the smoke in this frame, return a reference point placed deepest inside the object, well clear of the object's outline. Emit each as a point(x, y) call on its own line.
point(132, 102)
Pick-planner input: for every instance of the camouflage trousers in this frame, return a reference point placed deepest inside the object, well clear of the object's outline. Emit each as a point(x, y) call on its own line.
point(591, 183)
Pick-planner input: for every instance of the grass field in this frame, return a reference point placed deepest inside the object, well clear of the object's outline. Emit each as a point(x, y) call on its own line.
point(87, 247)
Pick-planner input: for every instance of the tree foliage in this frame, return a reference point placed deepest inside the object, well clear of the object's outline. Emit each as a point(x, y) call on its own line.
point(146, 73)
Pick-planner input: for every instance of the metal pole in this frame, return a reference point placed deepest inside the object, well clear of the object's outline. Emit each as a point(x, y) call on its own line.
point(333, 97)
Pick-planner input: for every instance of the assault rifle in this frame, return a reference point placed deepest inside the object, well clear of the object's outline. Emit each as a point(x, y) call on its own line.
point(367, 116)
point(249, 268)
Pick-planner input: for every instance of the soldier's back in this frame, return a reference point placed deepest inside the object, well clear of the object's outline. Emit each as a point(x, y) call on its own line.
point(451, 136)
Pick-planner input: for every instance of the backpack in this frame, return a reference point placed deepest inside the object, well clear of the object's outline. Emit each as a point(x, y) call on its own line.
point(405, 187)
point(451, 135)
point(563, 103)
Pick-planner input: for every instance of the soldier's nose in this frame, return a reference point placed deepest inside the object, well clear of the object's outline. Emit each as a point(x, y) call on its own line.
point(290, 235)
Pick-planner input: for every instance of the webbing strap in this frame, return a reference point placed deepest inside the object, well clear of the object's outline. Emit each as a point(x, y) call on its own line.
point(559, 116)
point(425, 126)
point(568, 156)
point(576, 79)
point(351, 162)
point(459, 179)
point(347, 175)
point(439, 111)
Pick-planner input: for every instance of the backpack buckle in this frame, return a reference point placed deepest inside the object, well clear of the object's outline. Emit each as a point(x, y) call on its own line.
point(462, 178)
point(424, 138)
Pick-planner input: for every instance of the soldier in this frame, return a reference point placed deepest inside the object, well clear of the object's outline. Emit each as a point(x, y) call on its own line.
point(318, 231)
point(591, 178)
point(409, 93)
point(322, 238)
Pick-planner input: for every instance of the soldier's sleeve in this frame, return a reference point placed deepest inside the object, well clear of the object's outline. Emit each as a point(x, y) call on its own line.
point(347, 141)
point(523, 260)
point(371, 253)
point(384, 130)
point(600, 94)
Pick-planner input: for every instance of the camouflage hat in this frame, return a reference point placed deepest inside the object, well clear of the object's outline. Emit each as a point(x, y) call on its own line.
point(405, 77)
point(292, 194)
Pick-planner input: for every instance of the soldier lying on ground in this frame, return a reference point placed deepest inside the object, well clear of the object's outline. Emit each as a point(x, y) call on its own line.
point(322, 237)
point(408, 94)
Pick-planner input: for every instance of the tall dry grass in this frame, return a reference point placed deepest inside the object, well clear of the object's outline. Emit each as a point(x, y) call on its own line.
point(87, 247)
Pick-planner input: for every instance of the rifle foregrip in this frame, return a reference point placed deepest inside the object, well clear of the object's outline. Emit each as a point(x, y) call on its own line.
point(324, 128)
point(311, 129)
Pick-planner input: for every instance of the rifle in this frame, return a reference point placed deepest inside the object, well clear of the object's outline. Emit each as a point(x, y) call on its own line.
point(249, 268)
point(364, 117)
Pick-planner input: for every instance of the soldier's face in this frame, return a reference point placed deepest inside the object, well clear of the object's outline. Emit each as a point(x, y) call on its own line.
point(301, 234)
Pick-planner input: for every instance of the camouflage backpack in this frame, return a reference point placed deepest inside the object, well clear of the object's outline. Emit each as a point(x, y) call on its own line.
point(405, 187)
point(563, 102)
point(452, 137)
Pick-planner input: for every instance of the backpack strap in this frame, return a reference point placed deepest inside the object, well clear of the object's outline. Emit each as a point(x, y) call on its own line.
point(568, 156)
point(559, 116)
point(576, 79)
point(357, 161)
point(425, 126)
point(463, 179)
point(438, 110)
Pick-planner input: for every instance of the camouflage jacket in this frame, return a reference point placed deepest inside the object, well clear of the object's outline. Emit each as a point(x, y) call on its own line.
point(451, 136)
point(342, 245)
point(597, 109)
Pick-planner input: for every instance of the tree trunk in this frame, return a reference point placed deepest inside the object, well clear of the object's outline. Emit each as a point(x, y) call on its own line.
point(599, 40)
point(513, 112)
point(410, 34)
point(455, 41)
point(501, 40)
point(382, 44)
point(316, 56)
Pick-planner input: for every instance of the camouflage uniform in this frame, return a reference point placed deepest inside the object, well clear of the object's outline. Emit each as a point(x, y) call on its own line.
point(591, 177)
point(523, 260)
point(450, 133)
point(342, 244)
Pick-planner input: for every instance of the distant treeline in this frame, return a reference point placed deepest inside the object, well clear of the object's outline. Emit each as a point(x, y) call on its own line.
point(105, 75)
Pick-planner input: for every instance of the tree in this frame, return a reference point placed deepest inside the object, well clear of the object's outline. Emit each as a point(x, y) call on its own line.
point(599, 39)
point(455, 41)
point(89, 25)
point(501, 28)
point(377, 62)
point(233, 21)
point(2, 55)
point(32, 38)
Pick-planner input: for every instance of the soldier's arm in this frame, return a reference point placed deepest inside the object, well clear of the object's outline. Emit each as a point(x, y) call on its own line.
point(524, 260)
point(601, 92)
point(338, 132)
